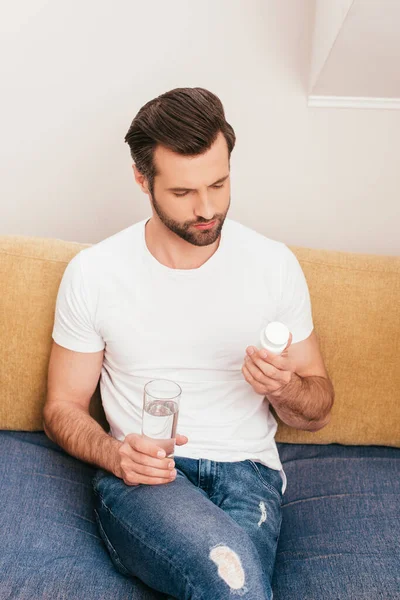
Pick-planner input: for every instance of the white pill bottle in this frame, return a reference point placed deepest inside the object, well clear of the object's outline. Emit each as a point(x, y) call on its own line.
point(274, 337)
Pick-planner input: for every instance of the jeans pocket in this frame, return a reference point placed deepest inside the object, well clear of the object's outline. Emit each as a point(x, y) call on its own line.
point(269, 478)
point(111, 550)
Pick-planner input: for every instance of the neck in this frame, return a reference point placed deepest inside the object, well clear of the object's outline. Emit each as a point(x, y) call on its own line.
point(172, 251)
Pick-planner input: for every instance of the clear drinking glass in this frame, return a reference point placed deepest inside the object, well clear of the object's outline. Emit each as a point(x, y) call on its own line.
point(161, 400)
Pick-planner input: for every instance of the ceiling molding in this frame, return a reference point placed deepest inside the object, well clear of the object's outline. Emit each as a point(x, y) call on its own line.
point(353, 102)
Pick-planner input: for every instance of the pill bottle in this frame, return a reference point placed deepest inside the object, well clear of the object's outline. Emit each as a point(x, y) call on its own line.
point(275, 337)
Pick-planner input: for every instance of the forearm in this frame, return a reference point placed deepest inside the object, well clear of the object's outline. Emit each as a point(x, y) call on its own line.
point(81, 436)
point(305, 402)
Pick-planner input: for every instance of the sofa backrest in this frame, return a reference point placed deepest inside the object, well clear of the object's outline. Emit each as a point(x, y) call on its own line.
point(31, 269)
point(356, 311)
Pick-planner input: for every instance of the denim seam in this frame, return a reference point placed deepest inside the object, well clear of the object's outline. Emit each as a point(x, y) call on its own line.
point(265, 483)
point(115, 553)
point(337, 458)
point(199, 474)
point(145, 543)
point(217, 480)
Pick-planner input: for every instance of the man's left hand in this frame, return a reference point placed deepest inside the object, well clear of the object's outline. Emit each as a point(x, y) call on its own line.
point(267, 373)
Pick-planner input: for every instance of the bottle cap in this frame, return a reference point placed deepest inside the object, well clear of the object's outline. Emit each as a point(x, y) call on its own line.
point(275, 337)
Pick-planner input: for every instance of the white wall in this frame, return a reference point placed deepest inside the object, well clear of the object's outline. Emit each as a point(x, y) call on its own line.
point(328, 21)
point(356, 49)
point(74, 74)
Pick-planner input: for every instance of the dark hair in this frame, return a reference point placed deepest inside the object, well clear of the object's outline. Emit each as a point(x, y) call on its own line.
point(185, 120)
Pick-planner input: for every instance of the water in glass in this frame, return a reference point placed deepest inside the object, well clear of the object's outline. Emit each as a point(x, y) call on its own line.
point(160, 419)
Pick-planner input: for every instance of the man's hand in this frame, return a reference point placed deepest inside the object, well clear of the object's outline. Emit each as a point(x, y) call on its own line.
point(140, 460)
point(268, 373)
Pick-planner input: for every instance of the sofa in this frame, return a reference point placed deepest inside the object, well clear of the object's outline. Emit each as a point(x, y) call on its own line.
point(340, 534)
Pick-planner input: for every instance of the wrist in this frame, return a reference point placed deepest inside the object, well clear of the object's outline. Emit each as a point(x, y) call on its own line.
point(114, 457)
point(292, 389)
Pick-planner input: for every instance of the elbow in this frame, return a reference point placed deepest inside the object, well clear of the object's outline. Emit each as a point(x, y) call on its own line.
point(317, 425)
point(44, 419)
point(45, 430)
point(45, 427)
point(321, 423)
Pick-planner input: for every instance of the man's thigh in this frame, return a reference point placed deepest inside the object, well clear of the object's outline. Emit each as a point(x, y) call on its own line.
point(251, 494)
point(176, 540)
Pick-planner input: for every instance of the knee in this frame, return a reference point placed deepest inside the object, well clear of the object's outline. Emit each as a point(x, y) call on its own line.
point(229, 566)
point(230, 569)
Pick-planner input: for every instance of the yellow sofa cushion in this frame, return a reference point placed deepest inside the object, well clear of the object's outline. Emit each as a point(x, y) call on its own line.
point(30, 273)
point(356, 310)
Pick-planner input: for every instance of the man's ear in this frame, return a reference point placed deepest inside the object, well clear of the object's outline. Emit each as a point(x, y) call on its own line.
point(140, 179)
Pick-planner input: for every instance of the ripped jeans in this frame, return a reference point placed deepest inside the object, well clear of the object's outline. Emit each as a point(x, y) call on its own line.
point(212, 533)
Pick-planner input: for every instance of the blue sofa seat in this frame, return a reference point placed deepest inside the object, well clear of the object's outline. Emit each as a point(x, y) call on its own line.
point(340, 537)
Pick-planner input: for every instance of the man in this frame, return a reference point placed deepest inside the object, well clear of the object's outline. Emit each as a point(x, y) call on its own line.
point(184, 296)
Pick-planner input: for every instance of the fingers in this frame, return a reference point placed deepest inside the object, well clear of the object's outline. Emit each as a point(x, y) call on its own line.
point(140, 462)
point(267, 375)
point(149, 447)
point(257, 377)
point(140, 468)
point(258, 388)
point(151, 472)
point(145, 445)
point(144, 459)
point(133, 478)
point(260, 369)
point(289, 342)
point(272, 361)
point(181, 439)
point(263, 388)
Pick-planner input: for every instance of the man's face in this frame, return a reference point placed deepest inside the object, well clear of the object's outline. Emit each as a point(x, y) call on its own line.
point(192, 190)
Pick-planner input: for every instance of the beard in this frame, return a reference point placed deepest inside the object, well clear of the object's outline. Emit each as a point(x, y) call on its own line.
point(185, 230)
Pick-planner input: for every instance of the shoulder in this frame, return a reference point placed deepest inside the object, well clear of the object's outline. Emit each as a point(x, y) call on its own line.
point(248, 240)
point(114, 249)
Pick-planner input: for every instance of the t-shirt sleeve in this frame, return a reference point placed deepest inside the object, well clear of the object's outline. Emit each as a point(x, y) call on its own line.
point(73, 321)
point(295, 304)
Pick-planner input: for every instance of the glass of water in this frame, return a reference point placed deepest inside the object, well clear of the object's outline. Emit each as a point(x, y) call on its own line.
point(161, 399)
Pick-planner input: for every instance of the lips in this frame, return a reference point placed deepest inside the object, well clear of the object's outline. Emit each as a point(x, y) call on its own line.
point(205, 225)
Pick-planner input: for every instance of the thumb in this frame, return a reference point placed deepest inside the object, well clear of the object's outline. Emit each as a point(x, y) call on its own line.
point(288, 343)
point(181, 439)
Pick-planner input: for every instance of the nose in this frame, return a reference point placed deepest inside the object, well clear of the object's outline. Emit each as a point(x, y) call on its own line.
point(204, 208)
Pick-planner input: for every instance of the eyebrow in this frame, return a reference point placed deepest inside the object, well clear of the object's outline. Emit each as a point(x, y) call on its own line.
point(183, 189)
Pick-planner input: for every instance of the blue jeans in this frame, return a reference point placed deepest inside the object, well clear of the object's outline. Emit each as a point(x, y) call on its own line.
point(210, 534)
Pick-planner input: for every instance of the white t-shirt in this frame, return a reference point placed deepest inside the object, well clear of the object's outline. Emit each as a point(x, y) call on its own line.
point(191, 326)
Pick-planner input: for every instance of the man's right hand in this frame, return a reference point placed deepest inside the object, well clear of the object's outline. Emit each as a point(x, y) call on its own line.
point(139, 461)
